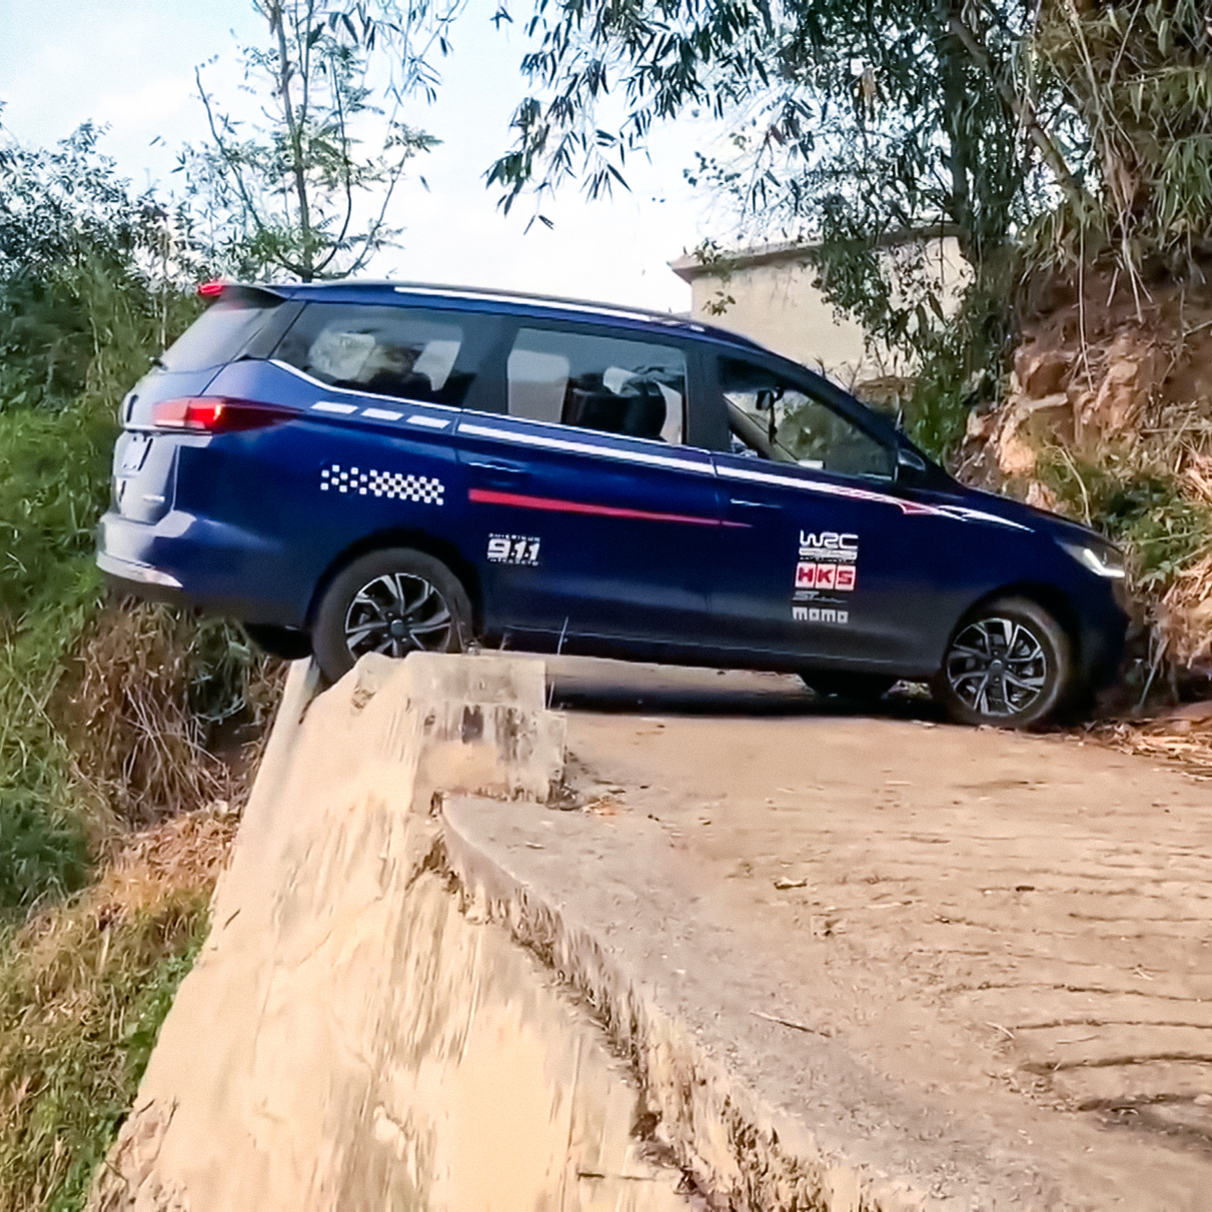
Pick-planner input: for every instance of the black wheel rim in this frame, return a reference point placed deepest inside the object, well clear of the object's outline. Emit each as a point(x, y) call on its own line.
point(396, 614)
point(997, 667)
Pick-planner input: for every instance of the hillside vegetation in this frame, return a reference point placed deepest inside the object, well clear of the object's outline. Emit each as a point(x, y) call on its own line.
point(122, 728)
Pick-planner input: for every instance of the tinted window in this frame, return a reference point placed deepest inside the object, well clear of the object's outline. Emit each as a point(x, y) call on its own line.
point(771, 418)
point(617, 386)
point(218, 335)
point(388, 351)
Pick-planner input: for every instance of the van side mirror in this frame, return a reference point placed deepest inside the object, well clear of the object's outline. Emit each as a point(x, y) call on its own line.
point(910, 460)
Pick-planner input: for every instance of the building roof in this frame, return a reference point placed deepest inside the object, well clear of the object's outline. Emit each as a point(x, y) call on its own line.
point(691, 266)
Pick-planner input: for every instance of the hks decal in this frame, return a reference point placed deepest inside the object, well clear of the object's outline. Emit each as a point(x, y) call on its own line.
point(840, 577)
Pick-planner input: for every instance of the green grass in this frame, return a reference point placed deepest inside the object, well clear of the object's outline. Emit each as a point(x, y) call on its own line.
point(53, 483)
point(1162, 528)
point(82, 999)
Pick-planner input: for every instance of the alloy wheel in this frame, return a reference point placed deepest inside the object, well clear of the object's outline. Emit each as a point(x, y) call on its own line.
point(395, 614)
point(997, 667)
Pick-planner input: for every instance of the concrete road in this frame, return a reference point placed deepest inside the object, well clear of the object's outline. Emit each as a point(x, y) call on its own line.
point(994, 918)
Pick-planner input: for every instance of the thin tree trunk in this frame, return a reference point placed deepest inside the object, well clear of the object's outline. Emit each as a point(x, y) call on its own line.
point(953, 59)
point(277, 25)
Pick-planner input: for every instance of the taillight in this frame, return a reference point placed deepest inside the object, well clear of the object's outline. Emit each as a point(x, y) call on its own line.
point(210, 290)
point(214, 414)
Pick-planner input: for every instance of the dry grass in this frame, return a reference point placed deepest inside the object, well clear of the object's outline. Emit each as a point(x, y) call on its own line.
point(1184, 743)
point(160, 710)
point(84, 987)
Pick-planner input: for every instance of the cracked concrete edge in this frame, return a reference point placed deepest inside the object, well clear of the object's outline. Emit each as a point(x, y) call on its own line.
point(740, 1152)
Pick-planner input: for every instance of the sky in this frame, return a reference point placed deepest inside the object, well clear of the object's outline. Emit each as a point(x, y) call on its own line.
point(129, 64)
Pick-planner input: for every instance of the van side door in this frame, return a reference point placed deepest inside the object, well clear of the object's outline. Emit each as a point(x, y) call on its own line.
point(592, 519)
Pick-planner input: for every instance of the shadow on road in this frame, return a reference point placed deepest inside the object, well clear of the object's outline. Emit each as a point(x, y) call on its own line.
point(619, 687)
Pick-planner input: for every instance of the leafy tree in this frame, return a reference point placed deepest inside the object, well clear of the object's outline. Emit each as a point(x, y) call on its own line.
point(290, 190)
point(90, 272)
point(849, 125)
point(1139, 76)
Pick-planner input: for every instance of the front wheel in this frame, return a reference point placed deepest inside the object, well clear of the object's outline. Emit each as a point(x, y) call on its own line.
point(1008, 665)
point(394, 602)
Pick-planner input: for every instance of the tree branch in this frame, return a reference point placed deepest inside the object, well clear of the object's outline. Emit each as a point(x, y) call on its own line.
point(1024, 112)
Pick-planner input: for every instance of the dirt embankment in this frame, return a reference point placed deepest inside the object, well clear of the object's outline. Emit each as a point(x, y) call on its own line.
point(1109, 420)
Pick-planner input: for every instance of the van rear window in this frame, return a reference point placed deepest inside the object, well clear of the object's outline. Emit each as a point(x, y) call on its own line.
point(387, 351)
point(220, 334)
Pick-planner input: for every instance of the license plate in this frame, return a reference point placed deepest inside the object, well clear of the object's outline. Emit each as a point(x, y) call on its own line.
point(135, 454)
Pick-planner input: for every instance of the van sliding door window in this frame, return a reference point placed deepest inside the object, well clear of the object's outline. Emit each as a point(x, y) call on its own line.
point(388, 351)
point(631, 388)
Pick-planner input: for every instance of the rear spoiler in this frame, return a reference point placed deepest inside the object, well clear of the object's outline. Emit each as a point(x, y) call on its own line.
point(239, 292)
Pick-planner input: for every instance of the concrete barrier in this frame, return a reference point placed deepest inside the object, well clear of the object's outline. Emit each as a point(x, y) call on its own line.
point(348, 1039)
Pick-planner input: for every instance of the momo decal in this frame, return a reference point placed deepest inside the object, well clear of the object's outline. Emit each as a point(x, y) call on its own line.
point(518, 549)
point(839, 577)
point(394, 485)
point(820, 614)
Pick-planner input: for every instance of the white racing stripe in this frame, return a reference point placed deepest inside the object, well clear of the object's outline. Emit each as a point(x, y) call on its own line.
point(342, 410)
point(590, 448)
point(427, 422)
point(381, 414)
point(958, 513)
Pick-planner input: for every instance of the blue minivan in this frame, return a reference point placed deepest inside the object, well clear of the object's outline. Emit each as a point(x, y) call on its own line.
point(377, 467)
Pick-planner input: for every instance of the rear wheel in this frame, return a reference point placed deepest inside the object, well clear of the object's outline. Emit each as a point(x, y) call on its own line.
point(393, 602)
point(1008, 665)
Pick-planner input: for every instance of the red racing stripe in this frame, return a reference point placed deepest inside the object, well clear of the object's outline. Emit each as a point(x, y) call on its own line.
point(486, 496)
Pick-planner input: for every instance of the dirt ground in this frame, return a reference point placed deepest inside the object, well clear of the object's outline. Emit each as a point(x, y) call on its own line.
point(978, 914)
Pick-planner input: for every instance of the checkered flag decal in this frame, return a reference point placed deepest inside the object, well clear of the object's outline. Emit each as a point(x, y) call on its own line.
point(394, 485)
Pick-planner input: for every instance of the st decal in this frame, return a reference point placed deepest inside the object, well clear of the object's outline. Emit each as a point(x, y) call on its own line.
point(820, 614)
point(517, 549)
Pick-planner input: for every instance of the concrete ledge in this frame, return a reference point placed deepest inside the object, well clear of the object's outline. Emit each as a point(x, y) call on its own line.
point(766, 1116)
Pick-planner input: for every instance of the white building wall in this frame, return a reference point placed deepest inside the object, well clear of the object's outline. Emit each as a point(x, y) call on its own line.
point(774, 301)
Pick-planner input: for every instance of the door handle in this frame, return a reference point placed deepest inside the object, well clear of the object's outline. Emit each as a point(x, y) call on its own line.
point(500, 471)
point(744, 504)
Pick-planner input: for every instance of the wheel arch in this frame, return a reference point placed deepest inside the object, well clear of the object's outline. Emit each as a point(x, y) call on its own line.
point(1052, 599)
point(418, 540)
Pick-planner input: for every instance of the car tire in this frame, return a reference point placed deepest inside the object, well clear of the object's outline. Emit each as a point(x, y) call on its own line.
point(393, 601)
point(864, 688)
point(1008, 665)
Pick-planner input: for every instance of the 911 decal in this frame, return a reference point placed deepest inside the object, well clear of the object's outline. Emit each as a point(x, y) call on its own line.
point(517, 549)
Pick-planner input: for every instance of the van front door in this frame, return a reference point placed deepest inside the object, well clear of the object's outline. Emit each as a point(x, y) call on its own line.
point(817, 553)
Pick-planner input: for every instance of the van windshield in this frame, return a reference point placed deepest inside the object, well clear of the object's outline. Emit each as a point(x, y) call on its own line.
point(218, 335)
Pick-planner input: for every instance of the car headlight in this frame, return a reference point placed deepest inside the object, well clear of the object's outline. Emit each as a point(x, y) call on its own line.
point(1101, 559)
